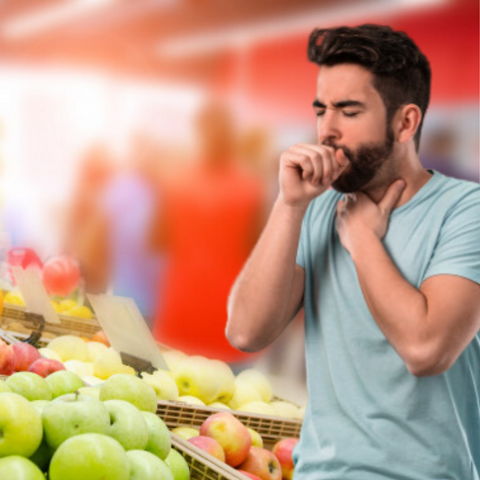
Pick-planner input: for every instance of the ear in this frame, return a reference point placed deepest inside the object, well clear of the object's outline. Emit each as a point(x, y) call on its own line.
point(406, 121)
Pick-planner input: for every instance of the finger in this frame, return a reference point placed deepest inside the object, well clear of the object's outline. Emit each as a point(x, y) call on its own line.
point(341, 159)
point(318, 158)
point(391, 197)
point(302, 162)
point(341, 208)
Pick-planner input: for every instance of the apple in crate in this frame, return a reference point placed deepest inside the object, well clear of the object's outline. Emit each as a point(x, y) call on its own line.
point(25, 355)
point(44, 367)
point(159, 441)
point(249, 475)
point(263, 464)
point(7, 359)
point(283, 451)
point(209, 445)
point(177, 465)
point(186, 432)
point(231, 434)
point(147, 466)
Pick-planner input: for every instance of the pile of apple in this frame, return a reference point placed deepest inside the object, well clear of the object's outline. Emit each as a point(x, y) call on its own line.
point(224, 437)
point(57, 425)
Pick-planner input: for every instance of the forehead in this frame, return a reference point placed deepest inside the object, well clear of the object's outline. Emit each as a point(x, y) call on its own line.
point(346, 82)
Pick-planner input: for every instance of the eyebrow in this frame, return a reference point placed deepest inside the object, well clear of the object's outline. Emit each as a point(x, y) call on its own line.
point(342, 104)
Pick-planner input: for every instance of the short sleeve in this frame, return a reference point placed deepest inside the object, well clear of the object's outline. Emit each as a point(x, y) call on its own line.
point(301, 251)
point(458, 248)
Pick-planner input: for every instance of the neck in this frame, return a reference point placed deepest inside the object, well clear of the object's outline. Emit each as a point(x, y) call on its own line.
point(408, 169)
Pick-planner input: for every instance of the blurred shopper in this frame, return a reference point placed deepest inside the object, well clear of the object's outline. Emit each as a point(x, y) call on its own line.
point(212, 220)
point(387, 267)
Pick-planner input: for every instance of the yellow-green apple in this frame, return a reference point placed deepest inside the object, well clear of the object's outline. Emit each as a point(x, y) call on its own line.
point(82, 369)
point(219, 406)
point(197, 376)
point(16, 467)
point(284, 409)
point(95, 349)
point(263, 464)
point(159, 442)
point(227, 381)
point(231, 434)
point(283, 451)
point(90, 456)
point(186, 432)
point(244, 393)
point(177, 465)
point(147, 466)
point(174, 358)
point(190, 399)
point(7, 359)
point(131, 389)
point(44, 367)
point(127, 424)
point(209, 445)
point(71, 415)
point(92, 380)
point(257, 440)
point(163, 384)
point(70, 347)
point(50, 354)
point(40, 405)
point(249, 475)
point(25, 355)
point(63, 382)
point(4, 387)
point(260, 407)
point(92, 391)
point(259, 381)
point(20, 426)
point(29, 385)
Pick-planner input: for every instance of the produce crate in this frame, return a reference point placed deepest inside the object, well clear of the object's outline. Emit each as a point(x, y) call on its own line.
point(83, 327)
point(202, 465)
point(271, 429)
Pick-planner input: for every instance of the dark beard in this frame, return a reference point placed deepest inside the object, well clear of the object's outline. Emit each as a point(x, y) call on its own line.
point(365, 162)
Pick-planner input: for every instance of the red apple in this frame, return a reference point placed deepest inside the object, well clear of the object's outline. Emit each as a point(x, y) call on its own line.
point(283, 451)
point(208, 445)
point(25, 355)
point(249, 475)
point(44, 367)
point(231, 434)
point(263, 464)
point(61, 275)
point(7, 359)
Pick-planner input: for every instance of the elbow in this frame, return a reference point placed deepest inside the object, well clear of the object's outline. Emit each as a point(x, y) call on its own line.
point(240, 340)
point(424, 362)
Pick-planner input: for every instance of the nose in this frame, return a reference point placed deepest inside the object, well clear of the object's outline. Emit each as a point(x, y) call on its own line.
point(328, 131)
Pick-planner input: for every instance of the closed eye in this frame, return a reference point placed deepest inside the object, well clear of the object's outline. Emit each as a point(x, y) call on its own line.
point(350, 114)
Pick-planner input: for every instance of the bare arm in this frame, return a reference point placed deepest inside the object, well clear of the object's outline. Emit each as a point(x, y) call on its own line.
point(269, 291)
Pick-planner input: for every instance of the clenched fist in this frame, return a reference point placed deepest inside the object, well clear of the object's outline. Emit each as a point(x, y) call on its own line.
point(306, 171)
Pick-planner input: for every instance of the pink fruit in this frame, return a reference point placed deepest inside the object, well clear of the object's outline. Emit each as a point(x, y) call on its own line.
point(25, 355)
point(231, 434)
point(249, 475)
point(61, 275)
point(263, 464)
point(44, 367)
point(283, 451)
point(208, 445)
point(7, 359)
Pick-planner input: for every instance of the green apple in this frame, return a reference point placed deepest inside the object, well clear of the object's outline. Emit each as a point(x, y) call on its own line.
point(257, 440)
point(177, 465)
point(259, 381)
point(131, 389)
point(40, 405)
point(159, 442)
point(163, 384)
point(29, 385)
point(190, 399)
point(70, 347)
point(198, 376)
point(74, 414)
point(63, 382)
point(4, 387)
point(147, 466)
point(127, 424)
point(244, 393)
point(19, 468)
point(20, 426)
point(90, 456)
point(186, 432)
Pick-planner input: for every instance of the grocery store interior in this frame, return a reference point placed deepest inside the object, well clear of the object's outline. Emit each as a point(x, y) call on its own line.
point(142, 138)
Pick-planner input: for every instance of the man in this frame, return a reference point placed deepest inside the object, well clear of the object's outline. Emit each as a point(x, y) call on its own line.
point(387, 270)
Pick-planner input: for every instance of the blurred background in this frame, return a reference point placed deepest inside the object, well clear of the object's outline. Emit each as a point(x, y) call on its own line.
point(143, 136)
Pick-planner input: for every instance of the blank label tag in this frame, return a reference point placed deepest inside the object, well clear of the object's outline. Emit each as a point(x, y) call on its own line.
point(34, 293)
point(126, 329)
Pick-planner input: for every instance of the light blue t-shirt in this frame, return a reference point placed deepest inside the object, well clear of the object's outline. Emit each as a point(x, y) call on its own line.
point(368, 418)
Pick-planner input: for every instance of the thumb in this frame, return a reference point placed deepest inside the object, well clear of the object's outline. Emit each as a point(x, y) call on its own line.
point(341, 158)
point(392, 195)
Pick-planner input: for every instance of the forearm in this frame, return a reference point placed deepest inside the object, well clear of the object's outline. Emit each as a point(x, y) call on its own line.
point(400, 309)
point(260, 299)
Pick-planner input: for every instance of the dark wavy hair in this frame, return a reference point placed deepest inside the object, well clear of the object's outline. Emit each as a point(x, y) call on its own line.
point(401, 71)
